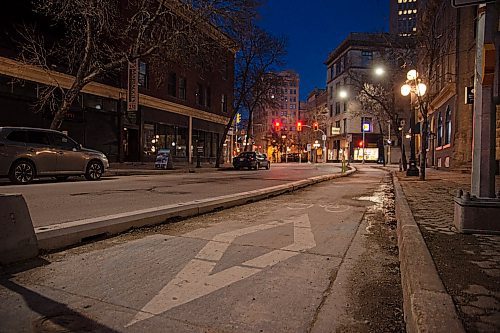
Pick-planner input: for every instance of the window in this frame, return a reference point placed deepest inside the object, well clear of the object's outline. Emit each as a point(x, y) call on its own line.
point(223, 104)
point(293, 106)
point(38, 137)
point(17, 136)
point(172, 84)
point(143, 74)
point(447, 129)
point(345, 106)
point(208, 97)
point(345, 125)
point(62, 141)
point(440, 130)
point(182, 88)
point(331, 110)
point(337, 108)
point(366, 58)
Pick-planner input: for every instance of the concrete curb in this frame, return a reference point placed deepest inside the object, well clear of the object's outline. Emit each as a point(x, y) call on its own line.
point(70, 233)
point(427, 305)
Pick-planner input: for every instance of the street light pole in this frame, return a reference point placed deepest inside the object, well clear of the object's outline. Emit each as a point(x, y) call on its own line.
point(363, 133)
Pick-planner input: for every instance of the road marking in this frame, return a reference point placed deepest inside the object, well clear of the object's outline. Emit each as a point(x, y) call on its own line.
point(335, 208)
point(195, 281)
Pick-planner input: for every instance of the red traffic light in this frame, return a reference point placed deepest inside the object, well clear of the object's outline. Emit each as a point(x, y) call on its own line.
point(360, 144)
point(277, 125)
point(299, 126)
point(315, 126)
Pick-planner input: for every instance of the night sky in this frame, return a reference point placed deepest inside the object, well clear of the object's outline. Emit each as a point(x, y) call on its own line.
point(315, 27)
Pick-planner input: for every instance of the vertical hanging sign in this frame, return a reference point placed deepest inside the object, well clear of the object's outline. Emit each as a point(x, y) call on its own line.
point(133, 90)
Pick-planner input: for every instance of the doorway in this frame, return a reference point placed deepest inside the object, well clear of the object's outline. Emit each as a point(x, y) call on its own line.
point(131, 145)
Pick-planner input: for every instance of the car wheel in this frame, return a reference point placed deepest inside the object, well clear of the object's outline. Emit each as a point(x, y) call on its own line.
point(62, 178)
point(268, 166)
point(94, 170)
point(22, 172)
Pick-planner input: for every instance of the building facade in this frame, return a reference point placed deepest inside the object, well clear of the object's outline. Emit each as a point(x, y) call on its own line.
point(403, 17)
point(450, 116)
point(179, 108)
point(275, 127)
point(346, 117)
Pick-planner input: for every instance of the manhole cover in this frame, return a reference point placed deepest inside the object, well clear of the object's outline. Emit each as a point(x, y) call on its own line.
point(64, 323)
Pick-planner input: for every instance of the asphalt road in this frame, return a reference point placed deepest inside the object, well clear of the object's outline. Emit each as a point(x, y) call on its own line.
point(51, 202)
point(277, 265)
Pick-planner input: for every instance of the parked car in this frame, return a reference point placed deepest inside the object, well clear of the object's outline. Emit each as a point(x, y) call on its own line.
point(251, 160)
point(26, 153)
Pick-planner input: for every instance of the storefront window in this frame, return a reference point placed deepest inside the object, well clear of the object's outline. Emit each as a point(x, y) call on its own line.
point(149, 140)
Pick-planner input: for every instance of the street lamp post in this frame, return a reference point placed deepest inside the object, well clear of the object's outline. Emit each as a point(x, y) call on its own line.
point(412, 87)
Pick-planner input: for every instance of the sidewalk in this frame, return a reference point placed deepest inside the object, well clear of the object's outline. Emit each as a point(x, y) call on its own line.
point(468, 265)
point(148, 168)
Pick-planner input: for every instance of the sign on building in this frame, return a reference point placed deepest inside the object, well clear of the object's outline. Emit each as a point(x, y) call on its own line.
point(133, 88)
point(335, 130)
point(469, 95)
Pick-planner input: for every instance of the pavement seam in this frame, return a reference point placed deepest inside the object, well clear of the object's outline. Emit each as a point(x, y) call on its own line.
point(427, 305)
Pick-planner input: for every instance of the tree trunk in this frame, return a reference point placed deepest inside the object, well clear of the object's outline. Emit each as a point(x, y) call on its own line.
point(69, 98)
point(423, 147)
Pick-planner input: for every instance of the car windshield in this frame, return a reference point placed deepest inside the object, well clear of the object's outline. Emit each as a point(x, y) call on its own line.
point(247, 154)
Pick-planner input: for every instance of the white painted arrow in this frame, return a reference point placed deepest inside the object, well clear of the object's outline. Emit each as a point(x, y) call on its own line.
point(194, 280)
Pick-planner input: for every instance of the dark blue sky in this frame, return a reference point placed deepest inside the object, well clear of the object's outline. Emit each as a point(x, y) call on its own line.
point(316, 27)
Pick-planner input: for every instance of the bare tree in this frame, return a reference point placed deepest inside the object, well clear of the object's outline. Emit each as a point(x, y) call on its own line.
point(100, 37)
point(259, 54)
point(378, 94)
point(434, 44)
point(265, 94)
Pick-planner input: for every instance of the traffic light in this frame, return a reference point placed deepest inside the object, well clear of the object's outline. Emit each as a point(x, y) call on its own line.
point(360, 144)
point(277, 126)
point(299, 126)
point(315, 126)
point(238, 118)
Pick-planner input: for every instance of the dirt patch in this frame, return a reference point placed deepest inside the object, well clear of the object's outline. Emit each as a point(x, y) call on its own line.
point(375, 287)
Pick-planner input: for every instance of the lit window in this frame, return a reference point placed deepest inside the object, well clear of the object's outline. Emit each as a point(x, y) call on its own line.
point(400, 12)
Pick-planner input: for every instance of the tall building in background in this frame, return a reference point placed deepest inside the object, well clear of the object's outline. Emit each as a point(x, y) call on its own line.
point(275, 127)
point(403, 17)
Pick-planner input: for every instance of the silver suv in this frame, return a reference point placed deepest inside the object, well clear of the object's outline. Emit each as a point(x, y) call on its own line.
point(26, 153)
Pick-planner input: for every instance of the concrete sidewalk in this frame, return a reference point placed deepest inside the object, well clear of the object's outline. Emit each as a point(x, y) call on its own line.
point(148, 168)
point(463, 268)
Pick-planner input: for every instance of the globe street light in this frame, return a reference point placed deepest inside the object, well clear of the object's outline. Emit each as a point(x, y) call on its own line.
point(379, 71)
point(418, 88)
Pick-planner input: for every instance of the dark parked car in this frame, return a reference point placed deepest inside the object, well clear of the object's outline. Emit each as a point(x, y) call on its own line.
point(251, 160)
point(26, 153)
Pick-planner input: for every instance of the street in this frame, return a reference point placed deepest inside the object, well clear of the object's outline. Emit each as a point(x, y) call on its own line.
point(322, 259)
point(51, 202)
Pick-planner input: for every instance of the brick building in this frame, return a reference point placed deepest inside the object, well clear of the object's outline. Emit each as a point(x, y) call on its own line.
point(450, 118)
point(178, 106)
point(285, 112)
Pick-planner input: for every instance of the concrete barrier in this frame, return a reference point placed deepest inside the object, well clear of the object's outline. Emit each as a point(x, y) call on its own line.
point(17, 236)
point(427, 305)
